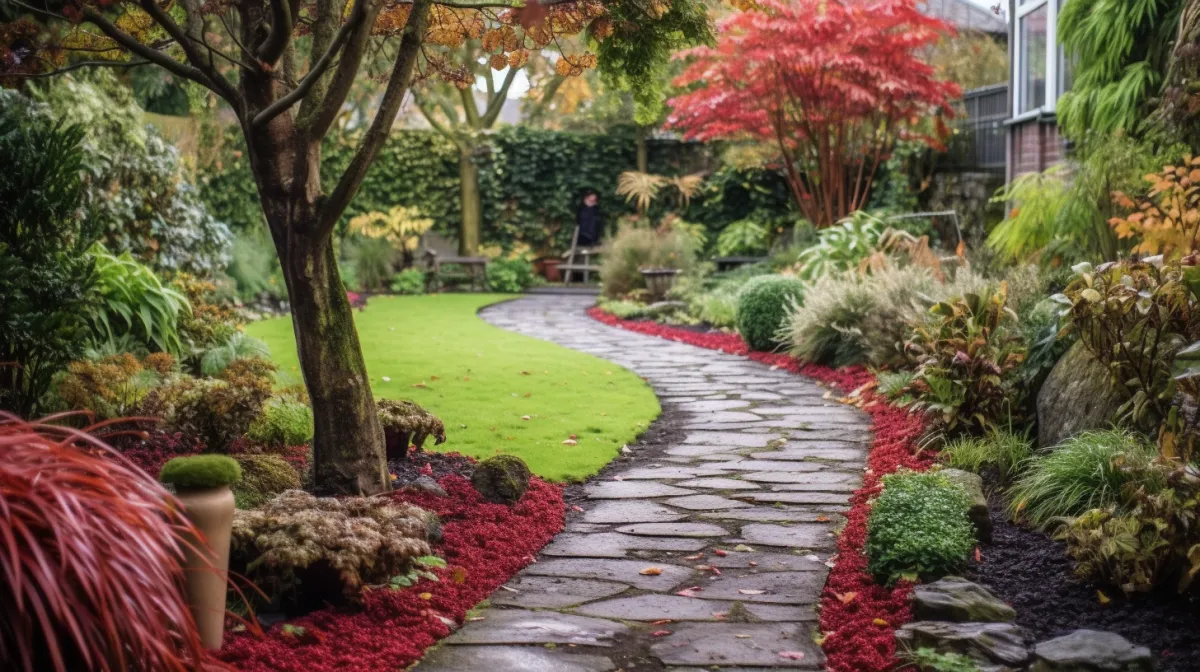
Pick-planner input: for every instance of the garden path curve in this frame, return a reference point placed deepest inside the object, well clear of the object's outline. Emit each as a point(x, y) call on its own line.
point(743, 457)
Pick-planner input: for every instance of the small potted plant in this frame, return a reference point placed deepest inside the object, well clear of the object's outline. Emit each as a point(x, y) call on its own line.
point(202, 485)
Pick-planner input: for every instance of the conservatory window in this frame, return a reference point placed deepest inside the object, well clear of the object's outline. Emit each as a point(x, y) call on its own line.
point(1031, 56)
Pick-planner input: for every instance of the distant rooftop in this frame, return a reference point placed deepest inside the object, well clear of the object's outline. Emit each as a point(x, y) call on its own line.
point(965, 15)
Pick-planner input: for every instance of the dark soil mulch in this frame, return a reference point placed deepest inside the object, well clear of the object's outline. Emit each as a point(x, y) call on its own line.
point(1033, 573)
point(701, 328)
point(422, 463)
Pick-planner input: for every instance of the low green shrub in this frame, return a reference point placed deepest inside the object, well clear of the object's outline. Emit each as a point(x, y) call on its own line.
point(841, 247)
point(283, 422)
point(409, 281)
point(236, 345)
point(214, 410)
point(263, 476)
point(1087, 471)
point(510, 276)
point(918, 528)
point(370, 262)
point(999, 449)
point(201, 471)
point(763, 306)
point(113, 386)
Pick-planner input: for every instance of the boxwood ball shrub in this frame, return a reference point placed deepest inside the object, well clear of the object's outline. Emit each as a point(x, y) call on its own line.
point(201, 471)
point(918, 528)
point(763, 306)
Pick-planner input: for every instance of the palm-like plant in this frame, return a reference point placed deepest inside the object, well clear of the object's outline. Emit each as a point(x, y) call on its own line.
point(640, 187)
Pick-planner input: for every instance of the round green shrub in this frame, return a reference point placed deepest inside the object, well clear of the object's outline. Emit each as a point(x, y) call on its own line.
point(919, 527)
point(502, 479)
point(762, 307)
point(201, 471)
point(263, 477)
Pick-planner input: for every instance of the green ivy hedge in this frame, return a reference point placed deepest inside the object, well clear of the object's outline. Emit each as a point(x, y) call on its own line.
point(531, 181)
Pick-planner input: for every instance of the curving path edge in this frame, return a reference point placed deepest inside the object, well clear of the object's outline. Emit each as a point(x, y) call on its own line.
point(706, 548)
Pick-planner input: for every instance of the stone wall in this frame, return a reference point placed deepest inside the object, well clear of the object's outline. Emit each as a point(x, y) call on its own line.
point(968, 194)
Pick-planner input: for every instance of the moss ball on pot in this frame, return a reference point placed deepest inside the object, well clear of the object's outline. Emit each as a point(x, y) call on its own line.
point(201, 471)
point(763, 306)
point(502, 479)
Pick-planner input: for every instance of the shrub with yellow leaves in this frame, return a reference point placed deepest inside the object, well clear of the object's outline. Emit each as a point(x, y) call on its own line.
point(401, 226)
point(1168, 221)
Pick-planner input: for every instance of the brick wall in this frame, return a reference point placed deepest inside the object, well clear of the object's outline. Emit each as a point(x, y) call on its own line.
point(1033, 145)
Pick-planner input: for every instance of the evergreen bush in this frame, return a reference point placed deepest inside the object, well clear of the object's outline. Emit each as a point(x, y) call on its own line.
point(762, 308)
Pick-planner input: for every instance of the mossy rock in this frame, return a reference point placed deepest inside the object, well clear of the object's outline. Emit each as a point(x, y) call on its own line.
point(502, 479)
point(762, 307)
point(1078, 395)
point(405, 423)
point(263, 477)
point(201, 471)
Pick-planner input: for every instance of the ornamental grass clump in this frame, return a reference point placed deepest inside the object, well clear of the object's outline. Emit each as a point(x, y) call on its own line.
point(918, 528)
point(1087, 471)
point(763, 306)
point(283, 422)
point(304, 550)
point(999, 449)
point(827, 329)
point(90, 553)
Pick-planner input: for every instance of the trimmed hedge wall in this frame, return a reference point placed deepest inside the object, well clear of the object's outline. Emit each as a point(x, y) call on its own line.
point(531, 180)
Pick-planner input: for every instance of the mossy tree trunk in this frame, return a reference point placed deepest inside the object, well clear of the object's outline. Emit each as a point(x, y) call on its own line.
point(472, 201)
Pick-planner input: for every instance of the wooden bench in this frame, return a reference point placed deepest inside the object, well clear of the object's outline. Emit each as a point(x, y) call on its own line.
point(439, 252)
point(730, 263)
point(580, 259)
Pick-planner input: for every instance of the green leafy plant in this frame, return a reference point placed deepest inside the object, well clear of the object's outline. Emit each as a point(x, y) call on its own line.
point(304, 550)
point(1151, 540)
point(918, 528)
point(254, 267)
point(1134, 317)
point(46, 279)
point(201, 471)
point(214, 410)
point(999, 449)
point(237, 345)
point(409, 281)
point(932, 660)
point(763, 306)
point(420, 570)
point(284, 422)
point(510, 276)
point(742, 238)
point(370, 262)
point(1087, 471)
point(841, 247)
point(965, 361)
point(135, 302)
point(263, 476)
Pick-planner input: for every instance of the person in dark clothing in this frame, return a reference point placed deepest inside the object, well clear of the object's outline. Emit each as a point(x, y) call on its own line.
point(590, 221)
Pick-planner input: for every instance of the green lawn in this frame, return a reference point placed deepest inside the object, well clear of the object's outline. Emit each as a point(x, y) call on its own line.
point(481, 381)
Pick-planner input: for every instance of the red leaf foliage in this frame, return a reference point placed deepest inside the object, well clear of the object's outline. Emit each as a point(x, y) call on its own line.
point(859, 632)
point(90, 574)
point(833, 83)
point(483, 544)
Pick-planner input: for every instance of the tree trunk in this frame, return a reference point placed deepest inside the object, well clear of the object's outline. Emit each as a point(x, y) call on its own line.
point(472, 202)
point(348, 442)
point(643, 154)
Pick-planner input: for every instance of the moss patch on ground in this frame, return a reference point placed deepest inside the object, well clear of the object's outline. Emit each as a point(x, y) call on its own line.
point(481, 381)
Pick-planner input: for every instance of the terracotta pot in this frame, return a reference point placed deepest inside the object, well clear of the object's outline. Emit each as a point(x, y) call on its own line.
point(211, 510)
point(550, 269)
point(659, 281)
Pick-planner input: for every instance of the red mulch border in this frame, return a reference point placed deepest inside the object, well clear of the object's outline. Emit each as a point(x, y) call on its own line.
point(483, 544)
point(858, 616)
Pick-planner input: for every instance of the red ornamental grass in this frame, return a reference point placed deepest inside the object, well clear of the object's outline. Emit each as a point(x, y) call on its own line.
point(483, 544)
point(89, 558)
point(858, 616)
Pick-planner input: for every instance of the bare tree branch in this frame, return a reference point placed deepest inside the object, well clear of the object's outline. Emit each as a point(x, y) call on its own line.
point(344, 76)
point(81, 64)
point(306, 84)
point(280, 34)
point(496, 103)
point(218, 83)
point(433, 122)
point(381, 126)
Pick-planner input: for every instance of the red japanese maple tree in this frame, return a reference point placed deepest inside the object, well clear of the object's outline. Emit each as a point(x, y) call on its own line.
point(834, 83)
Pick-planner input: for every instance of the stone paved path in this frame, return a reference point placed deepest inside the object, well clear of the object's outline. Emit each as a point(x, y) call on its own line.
point(764, 462)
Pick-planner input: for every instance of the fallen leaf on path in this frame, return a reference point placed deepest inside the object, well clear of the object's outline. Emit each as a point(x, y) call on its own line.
point(845, 598)
point(650, 571)
point(662, 621)
point(694, 557)
point(660, 633)
point(421, 385)
point(822, 519)
point(387, 379)
point(978, 555)
point(792, 655)
point(576, 508)
point(742, 636)
point(524, 417)
point(747, 591)
point(742, 548)
point(720, 553)
point(689, 592)
point(1104, 599)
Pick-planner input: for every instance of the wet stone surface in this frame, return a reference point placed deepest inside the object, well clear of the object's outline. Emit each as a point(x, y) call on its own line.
point(651, 524)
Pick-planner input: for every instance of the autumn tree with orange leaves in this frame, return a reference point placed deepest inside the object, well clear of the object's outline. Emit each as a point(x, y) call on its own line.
point(831, 83)
point(285, 68)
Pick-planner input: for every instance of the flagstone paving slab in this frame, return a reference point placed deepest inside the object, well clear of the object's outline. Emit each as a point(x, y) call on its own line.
point(751, 486)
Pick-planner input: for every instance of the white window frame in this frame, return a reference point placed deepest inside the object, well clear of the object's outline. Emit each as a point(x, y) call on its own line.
point(1052, 51)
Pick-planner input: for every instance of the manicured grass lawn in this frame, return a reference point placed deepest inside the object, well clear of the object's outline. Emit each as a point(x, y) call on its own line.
point(481, 381)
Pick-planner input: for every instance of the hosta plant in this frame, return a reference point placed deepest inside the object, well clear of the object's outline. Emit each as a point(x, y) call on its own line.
point(1134, 317)
point(841, 247)
point(135, 302)
point(90, 552)
point(965, 359)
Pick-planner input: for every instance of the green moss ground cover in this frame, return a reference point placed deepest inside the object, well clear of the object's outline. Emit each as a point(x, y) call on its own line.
point(481, 381)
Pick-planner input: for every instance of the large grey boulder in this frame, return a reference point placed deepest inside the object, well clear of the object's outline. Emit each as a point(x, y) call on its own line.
point(956, 599)
point(979, 513)
point(1078, 395)
point(988, 643)
point(1091, 651)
